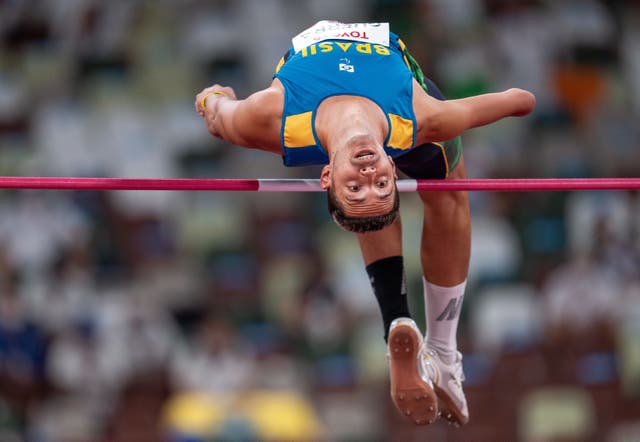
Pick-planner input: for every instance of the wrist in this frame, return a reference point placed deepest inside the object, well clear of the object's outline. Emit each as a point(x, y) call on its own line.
point(220, 94)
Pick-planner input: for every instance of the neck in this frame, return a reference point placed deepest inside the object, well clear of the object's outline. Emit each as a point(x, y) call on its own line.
point(344, 120)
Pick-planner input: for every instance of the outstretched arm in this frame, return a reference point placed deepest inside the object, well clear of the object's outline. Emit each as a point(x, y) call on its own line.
point(253, 122)
point(444, 120)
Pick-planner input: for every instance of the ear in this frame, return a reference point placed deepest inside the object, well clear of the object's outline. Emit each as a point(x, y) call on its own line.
point(325, 177)
point(393, 166)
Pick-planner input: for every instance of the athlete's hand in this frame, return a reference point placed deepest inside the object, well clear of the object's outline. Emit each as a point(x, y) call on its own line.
point(211, 93)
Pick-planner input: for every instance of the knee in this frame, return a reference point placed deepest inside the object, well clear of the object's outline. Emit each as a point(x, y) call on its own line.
point(445, 203)
point(451, 204)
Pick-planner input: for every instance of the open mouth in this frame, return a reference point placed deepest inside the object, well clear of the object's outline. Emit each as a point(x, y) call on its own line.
point(365, 155)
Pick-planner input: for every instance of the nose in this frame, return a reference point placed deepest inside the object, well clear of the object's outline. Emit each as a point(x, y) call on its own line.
point(367, 170)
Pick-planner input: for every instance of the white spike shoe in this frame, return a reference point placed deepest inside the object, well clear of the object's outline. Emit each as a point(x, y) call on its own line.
point(447, 382)
point(411, 389)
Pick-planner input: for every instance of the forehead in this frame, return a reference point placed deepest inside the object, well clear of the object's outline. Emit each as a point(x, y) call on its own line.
point(372, 204)
point(365, 209)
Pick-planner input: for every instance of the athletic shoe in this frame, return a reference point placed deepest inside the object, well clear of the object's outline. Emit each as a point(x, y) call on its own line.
point(447, 383)
point(411, 390)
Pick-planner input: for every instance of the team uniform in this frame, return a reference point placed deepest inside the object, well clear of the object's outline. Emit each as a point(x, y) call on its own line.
point(369, 61)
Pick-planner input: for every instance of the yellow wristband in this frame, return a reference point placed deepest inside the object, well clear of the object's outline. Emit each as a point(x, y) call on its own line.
point(204, 99)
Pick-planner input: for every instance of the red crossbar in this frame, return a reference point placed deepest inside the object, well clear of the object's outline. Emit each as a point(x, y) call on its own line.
point(312, 185)
point(532, 184)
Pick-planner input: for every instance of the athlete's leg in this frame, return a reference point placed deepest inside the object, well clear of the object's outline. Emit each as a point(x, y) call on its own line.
point(411, 391)
point(446, 233)
point(445, 252)
point(382, 254)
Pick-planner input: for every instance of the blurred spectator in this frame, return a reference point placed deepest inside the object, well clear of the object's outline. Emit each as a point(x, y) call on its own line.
point(34, 227)
point(22, 342)
point(215, 361)
point(582, 280)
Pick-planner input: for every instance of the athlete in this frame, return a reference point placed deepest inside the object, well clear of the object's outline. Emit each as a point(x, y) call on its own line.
point(351, 97)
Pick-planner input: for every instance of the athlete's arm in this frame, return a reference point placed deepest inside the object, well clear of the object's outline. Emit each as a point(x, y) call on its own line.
point(443, 120)
point(253, 122)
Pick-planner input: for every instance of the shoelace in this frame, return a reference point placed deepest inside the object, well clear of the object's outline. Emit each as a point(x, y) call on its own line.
point(457, 373)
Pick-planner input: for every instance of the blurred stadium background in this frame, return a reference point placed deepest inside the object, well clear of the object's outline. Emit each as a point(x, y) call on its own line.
point(151, 316)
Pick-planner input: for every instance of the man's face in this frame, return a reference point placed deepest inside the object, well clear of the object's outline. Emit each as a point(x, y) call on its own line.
point(362, 178)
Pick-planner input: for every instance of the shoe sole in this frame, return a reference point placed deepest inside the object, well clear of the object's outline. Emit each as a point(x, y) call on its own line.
point(448, 408)
point(412, 396)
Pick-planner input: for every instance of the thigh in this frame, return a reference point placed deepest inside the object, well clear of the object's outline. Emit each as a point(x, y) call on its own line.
point(447, 197)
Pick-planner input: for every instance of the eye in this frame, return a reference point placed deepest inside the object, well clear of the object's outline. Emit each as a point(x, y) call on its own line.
point(354, 188)
point(381, 184)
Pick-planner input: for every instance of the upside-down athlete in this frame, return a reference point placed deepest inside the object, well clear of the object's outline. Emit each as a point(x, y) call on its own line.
point(351, 97)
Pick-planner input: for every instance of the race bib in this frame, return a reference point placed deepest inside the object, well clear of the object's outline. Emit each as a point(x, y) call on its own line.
point(375, 33)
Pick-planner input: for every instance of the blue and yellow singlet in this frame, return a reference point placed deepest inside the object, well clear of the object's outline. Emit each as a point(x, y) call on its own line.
point(343, 66)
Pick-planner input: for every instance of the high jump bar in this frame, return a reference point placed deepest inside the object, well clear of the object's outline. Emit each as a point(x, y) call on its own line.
point(312, 185)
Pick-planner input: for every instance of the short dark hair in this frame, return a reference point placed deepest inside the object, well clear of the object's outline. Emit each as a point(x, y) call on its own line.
point(365, 223)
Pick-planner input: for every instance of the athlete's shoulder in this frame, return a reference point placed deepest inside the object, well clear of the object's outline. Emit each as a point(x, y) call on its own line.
point(267, 102)
point(274, 92)
point(425, 107)
point(258, 117)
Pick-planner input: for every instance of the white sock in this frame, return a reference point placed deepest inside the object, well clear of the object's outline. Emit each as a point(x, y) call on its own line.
point(442, 312)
